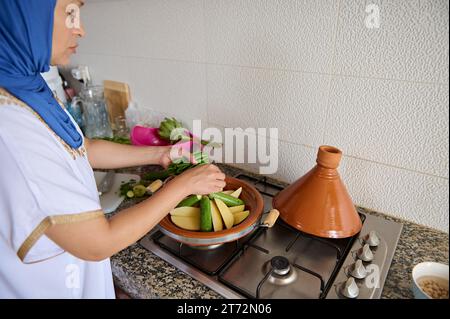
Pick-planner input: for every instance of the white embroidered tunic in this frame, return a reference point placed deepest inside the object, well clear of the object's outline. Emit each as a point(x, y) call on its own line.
point(43, 181)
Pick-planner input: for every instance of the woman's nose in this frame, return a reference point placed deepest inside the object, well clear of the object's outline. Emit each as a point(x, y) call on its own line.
point(79, 31)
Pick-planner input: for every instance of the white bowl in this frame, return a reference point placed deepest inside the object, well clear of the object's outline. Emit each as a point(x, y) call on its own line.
point(427, 269)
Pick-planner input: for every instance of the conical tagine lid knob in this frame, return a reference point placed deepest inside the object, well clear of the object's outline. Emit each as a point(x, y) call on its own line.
point(318, 203)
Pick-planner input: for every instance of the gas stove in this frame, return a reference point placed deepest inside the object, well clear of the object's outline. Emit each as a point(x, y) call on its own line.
point(282, 262)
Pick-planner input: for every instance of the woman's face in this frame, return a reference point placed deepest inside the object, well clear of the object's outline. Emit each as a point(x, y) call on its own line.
point(67, 29)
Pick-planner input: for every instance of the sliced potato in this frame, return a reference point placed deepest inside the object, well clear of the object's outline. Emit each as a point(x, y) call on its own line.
point(237, 209)
point(227, 216)
point(186, 211)
point(216, 217)
point(237, 192)
point(239, 217)
point(187, 222)
point(228, 192)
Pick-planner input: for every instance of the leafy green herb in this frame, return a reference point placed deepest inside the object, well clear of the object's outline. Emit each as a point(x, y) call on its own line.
point(180, 165)
point(177, 167)
point(152, 176)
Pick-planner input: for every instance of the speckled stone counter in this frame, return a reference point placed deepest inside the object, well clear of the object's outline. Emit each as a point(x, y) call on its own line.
point(142, 274)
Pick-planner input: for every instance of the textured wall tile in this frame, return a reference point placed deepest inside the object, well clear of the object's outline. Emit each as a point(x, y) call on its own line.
point(291, 101)
point(296, 35)
point(167, 29)
point(104, 67)
point(398, 123)
point(106, 32)
point(410, 44)
point(412, 196)
point(176, 88)
point(294, 161)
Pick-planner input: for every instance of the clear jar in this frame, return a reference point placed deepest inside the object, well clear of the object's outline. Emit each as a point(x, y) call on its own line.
point(94, 110)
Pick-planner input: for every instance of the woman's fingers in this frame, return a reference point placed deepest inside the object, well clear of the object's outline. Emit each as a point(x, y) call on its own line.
point(213, 168)
point(219, 176)
point(220, 183)
point(192, 159)
point(205, 179)
point(179, 151)
point(218, 188)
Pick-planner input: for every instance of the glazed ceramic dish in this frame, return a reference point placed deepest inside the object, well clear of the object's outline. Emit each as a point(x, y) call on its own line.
point(253, 202)
point(318, 203)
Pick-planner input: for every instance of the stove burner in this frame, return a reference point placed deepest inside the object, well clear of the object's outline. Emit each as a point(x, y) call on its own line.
point(281, 271)
point(280, 265)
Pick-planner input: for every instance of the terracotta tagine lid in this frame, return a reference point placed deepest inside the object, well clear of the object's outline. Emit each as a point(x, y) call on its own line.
point(318, 203)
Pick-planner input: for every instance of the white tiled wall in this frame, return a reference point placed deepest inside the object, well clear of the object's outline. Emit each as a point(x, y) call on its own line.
point(308, 67)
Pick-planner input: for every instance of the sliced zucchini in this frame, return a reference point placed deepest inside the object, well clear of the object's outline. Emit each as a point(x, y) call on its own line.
point(206, 222)
point(227, 199)
point(139, 190)
point(190, 201)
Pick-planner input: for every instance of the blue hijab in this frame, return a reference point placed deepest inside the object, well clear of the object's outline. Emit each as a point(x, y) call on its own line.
point(26, 29)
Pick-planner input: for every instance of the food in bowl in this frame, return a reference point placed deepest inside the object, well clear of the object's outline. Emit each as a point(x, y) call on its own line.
point(430, 280)
point(215, 212)
point(253, 202)
point(435, 287)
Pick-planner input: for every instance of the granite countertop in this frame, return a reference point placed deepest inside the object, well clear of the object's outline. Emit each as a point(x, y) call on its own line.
point(142, 274)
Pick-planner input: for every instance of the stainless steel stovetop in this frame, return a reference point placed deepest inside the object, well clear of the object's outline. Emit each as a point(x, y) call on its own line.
point(282, 262)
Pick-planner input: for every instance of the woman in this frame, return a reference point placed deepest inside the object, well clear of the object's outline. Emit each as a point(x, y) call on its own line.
point(54, 239)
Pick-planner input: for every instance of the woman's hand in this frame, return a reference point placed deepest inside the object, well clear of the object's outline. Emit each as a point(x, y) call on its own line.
point(164, 157)
point(201, 180)
point(167, 153)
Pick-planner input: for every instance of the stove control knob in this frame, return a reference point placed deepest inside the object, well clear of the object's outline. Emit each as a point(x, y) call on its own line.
point(365, 254)
point(350, 289)
point(372, 239)
point(358, 270)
